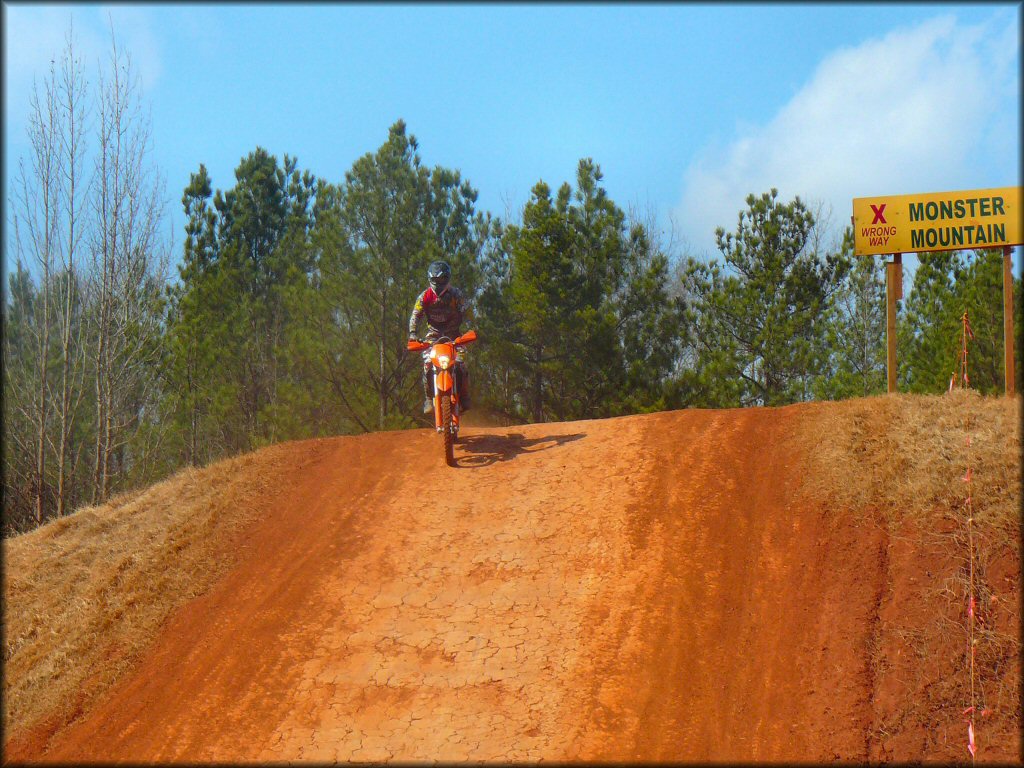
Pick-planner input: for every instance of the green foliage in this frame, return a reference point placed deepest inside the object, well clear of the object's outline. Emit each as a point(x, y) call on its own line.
point(289, 318)
point(32, 377)
point(947, 284)
point(759, 320)
point(575, 309)
point(373, 239)
point(855, 334)
point(651, 325)
point(226, 320)
point(20, 390)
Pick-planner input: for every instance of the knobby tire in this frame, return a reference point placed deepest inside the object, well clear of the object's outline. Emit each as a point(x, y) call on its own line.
point(446, 430)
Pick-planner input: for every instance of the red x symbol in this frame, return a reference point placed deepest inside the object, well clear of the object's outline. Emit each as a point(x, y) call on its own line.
point(878, 214)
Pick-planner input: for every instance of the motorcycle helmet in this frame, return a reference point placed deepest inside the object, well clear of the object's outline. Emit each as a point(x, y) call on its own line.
point(439, 274)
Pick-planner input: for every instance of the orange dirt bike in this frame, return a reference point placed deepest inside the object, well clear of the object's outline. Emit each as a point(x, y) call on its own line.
point(444, 357)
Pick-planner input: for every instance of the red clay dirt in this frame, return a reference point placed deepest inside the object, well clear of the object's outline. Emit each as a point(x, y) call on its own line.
point(643, 588)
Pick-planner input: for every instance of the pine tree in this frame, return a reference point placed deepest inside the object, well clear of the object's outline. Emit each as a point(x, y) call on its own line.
point(373, 240)
point(856, 330)
point(760, 319)
point(579, 302)
point(229, 315)
point(947, 284)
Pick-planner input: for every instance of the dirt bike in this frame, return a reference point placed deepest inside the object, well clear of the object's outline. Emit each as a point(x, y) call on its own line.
point(444, 357)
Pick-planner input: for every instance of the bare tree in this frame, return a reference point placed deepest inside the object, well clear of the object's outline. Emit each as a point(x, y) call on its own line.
point(36, 222)
point(81, 324)
point(71, 107)
point(129, 266)
point(825, 237)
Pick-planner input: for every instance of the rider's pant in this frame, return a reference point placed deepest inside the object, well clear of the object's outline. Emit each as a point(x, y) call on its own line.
point(428, 380)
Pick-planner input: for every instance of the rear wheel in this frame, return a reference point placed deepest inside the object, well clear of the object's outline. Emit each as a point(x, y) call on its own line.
point(446, 430)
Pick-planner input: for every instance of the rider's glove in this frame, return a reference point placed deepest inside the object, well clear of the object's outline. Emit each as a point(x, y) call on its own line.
point(412, 337)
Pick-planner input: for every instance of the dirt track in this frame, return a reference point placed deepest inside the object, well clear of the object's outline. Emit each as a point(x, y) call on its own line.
point(638, 588)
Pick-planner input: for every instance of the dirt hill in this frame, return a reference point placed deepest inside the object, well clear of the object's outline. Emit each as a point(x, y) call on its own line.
point(740, 585)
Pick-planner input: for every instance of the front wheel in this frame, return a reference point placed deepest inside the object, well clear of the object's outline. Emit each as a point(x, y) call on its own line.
point(446, 430)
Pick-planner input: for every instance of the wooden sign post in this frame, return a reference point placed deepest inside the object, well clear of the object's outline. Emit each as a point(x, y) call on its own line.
point(893, 292)
point(1008, 361)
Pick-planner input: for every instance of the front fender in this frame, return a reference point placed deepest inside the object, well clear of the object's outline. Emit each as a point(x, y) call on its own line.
point(443, 381)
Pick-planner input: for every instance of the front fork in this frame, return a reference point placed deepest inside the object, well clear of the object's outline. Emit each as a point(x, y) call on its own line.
point(449, 385)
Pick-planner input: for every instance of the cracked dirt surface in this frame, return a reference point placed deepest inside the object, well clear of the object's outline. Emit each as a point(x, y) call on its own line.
point(643, 588)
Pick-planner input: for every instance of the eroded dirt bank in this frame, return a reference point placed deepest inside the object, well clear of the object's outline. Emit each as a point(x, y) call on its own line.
point(644, 588)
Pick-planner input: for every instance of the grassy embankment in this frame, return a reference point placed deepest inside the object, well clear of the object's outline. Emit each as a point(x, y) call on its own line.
point(84, 595)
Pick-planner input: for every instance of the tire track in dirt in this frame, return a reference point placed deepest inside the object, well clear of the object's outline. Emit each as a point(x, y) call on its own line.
point(755, 620)
point(634, 588)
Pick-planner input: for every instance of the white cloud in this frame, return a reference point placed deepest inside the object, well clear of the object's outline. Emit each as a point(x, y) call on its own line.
point(933, 107)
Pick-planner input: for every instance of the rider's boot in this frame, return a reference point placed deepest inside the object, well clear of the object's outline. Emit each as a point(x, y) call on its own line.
point(428, 405)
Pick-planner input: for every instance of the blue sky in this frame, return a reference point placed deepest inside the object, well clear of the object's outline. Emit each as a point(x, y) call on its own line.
point(687, 108)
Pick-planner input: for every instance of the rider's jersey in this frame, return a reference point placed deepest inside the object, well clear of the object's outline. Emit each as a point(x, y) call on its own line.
point(444, 313)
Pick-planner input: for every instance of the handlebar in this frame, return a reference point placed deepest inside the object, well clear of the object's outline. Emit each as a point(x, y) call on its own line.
point(417, 345)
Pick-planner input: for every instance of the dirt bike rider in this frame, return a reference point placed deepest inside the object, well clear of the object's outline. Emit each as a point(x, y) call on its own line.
point(445, 308)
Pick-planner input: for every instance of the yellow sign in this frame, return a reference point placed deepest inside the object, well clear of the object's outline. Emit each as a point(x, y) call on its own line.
point(937, 221)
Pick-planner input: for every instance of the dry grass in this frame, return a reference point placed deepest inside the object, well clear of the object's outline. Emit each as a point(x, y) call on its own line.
point(85, 594)
point(904, 456)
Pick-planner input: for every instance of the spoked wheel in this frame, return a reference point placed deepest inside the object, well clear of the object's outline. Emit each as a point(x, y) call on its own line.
point(446, 430)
